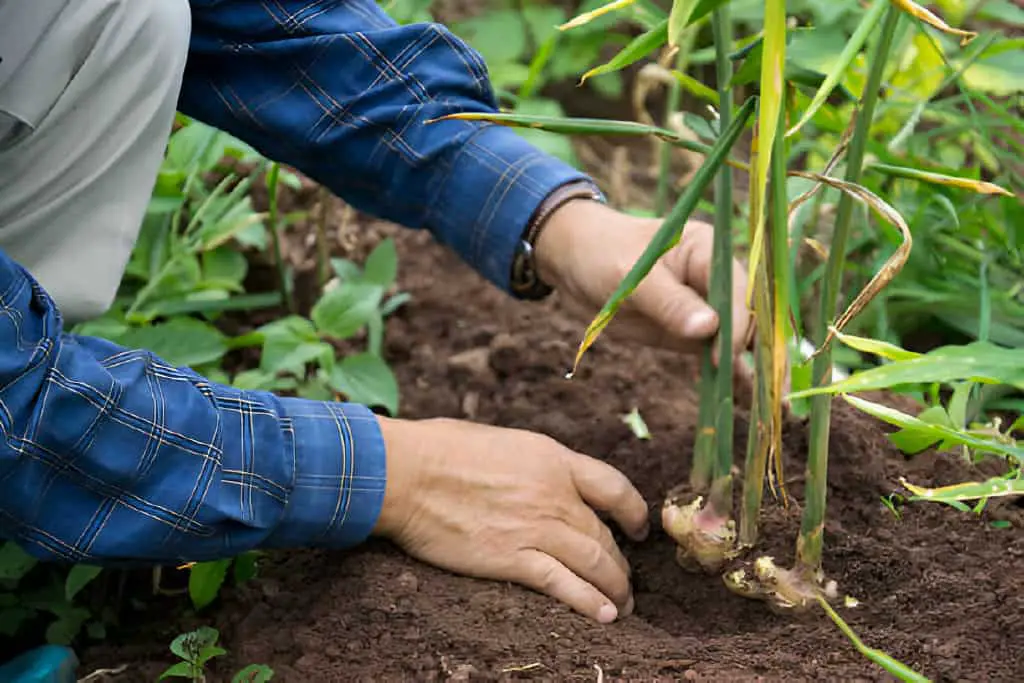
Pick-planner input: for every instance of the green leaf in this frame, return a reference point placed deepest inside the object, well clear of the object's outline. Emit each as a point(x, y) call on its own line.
point(190, 645)
point(246, 567)
point(996, 487)
point(179, 341)
point(283, 355)
point(382, 264)
point(12, 618)
point(948, 435)
point(78, 578)
point(224, 264)
point(67, 626)
point(671, 230)
point(205, 580)
point(15, 562)
point(679, 19)
point(345, 309)
point(978, 361)
point(365, 378)
point(254, 673)
point(638, 48)
point(179, 670)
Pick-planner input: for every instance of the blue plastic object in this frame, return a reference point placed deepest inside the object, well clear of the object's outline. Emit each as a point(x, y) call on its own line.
point(47, 664)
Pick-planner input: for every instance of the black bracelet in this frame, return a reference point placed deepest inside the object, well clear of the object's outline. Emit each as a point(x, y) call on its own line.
point(526, 282)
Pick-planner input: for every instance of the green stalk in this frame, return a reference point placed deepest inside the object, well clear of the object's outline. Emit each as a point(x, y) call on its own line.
point(675, 92)
point(773, 284)
point(282, 273)
point(718, 381)
point(809, 544)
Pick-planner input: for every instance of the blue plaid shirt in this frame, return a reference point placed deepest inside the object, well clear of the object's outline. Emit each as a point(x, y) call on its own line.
point(111, 455)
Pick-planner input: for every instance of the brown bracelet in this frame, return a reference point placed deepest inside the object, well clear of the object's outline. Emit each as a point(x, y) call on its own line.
point(526, 282)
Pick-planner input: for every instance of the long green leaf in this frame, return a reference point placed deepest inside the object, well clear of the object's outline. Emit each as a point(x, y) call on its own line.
point(978, 361)
point(948, 436)
point(979, 186)
point(679, 19)
point(671, 229)
point(772, 90)
point(637, 49)
point(996, 487)
point(587, 17)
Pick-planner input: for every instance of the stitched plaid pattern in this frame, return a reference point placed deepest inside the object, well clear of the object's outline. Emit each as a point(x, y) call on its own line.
point(111, 456)
point(339, 90)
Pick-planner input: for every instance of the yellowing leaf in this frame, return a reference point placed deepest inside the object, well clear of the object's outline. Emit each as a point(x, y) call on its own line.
point(893, 265)
point(979, 186)
point(773, 62)
point(927, 16)
point(875, 347)
point(996, 487)
point(588, 17)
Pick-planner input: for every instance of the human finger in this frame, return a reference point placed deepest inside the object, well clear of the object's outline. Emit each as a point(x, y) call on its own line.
point(545, 574)
point(605, 488)
point(588, 559)
point(674, 307)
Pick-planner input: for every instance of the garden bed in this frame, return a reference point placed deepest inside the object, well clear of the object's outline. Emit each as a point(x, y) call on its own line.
point(939, 589)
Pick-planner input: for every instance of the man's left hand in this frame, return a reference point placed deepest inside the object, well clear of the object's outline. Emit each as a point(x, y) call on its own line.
point(587, 248)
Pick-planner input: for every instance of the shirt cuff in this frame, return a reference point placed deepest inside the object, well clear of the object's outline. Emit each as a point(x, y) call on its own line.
point(494, 185)
point(339, 474)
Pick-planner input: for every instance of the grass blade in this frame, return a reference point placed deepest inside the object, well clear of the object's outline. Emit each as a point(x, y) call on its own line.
point(849, 53)
point(638, 48)
point(587, 17)
point(672, 228)
point(778, 253)
point(979, 186)
point(679, 19)
point(773, 64)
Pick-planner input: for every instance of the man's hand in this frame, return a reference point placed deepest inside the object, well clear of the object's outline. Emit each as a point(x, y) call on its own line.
point(511, 505)
point(586, 249)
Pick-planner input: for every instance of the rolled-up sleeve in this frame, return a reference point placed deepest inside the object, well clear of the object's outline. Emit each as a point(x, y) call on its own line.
point(110, 455)
point(341, 92)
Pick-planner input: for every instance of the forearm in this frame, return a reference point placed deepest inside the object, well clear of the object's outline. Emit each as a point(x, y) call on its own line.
point(344, 94)
point(111, 455)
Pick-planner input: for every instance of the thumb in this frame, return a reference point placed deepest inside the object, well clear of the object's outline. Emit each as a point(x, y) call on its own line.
point(677, 310)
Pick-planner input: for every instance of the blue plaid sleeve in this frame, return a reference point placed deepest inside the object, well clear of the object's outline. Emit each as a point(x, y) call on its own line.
point(110, 455)
point(338, 90)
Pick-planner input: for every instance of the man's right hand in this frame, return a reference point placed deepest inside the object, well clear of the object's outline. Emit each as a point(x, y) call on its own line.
point(511, 505)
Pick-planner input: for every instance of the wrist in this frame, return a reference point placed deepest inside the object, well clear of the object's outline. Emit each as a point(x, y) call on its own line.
point(533, 267)
point(403, 455)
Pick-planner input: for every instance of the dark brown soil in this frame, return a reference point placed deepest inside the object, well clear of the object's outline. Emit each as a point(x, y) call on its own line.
point(939, 589)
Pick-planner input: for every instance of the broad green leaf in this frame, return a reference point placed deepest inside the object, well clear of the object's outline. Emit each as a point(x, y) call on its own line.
point(15, 562)
point(291, 326)
point(671, 230)
point(382, 264)
point(224, 264)
point(981, 362)
point(12, 618)
point(345, 309)
point(850, 52)
point(679, 19)
point(997, 487)
point(179, 341)
point(205, 580)
point(291, 356)
point(79, 576)
point(365, 378)
point(246, 567)
point(67, 626)
point(179, 670)
point(948, 435)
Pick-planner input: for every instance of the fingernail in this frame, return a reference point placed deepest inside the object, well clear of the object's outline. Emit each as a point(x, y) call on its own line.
point(607, 614)
point(630, 605)
point(700, 323)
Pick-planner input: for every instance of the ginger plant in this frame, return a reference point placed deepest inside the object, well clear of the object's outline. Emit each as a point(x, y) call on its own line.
point(700, 517)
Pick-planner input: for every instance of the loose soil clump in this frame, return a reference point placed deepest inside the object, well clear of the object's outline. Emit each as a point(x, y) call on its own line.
point(939, 589)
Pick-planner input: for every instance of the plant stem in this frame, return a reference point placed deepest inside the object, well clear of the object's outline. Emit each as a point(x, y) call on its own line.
point(282, 272)
point(721, 285)
point(809, 544)
point(675, 92)
point(711, 441)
